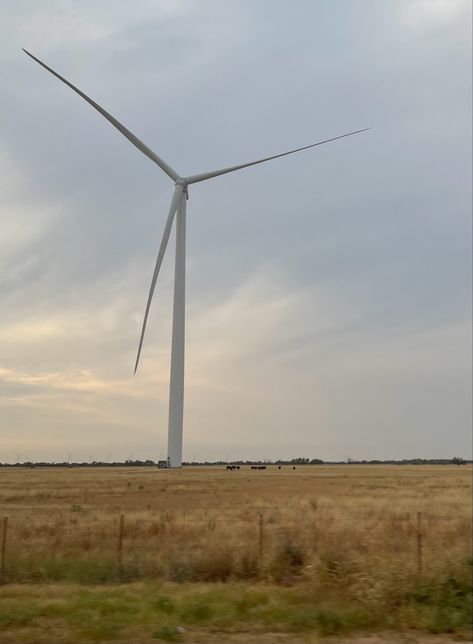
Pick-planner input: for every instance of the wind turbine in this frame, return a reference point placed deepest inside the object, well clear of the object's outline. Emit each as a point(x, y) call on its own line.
point(177, 209)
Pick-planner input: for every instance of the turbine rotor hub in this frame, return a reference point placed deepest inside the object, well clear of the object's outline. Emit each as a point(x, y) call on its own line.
point(183, 182)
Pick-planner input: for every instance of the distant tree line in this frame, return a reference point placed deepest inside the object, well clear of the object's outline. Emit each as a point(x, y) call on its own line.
point(127, 463)
point(456, 460)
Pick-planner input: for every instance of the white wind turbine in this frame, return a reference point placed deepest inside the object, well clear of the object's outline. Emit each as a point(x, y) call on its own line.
point(178, 209)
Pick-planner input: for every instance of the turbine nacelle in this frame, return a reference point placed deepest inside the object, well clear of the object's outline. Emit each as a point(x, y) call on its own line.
point(182, 183)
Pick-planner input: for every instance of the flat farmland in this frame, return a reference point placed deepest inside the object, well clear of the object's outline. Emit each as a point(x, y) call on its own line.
point(323, 549)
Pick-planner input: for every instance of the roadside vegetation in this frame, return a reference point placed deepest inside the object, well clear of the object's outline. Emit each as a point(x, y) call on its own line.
point(322, 549)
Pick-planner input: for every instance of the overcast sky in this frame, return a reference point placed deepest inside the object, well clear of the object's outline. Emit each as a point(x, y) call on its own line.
point(328, 293)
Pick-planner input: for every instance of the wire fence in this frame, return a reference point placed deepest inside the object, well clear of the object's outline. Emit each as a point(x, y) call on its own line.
point(122, 537)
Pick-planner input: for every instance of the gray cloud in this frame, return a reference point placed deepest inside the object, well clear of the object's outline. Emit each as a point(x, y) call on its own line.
point(340, 276)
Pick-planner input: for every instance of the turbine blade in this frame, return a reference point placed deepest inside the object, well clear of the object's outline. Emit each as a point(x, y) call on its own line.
point(162, 249)
point(121, 128)
point(210, 175)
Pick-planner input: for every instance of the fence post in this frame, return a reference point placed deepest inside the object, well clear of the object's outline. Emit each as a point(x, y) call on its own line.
point(87, 542)
point(120, 542)
point(260, 532)
point(4, 545)
point(419, 544)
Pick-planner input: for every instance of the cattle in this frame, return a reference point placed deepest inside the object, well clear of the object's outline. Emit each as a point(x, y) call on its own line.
point(233, 467)
point(258, 467)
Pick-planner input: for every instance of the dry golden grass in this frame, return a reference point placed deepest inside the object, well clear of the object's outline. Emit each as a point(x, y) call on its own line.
point(203, 523)
point(339, 550)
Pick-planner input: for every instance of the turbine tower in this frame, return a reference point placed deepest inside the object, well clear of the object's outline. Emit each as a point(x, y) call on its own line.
point(177, 209)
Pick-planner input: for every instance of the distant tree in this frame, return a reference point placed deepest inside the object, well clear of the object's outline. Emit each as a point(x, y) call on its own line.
point(458, 461)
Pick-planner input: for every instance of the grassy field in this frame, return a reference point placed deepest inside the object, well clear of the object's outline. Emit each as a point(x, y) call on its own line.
point(322, 549)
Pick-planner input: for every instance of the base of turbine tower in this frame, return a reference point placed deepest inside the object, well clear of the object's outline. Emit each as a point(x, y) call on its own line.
point(172, 466)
